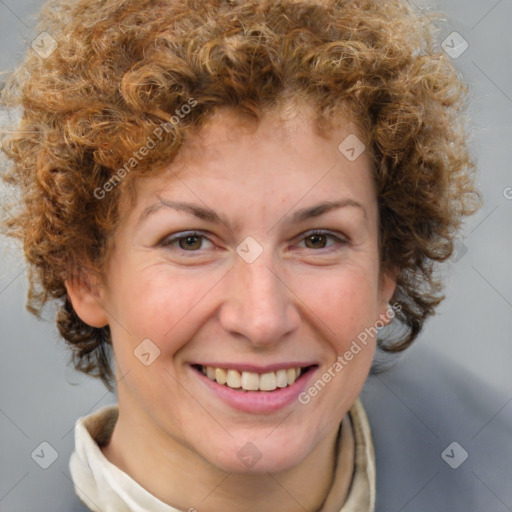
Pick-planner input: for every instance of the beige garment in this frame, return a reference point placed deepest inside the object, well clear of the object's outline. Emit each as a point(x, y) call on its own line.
point(103, 487)
point(356, 451)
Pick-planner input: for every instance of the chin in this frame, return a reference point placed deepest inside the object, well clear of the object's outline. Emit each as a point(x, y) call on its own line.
point(263, 454)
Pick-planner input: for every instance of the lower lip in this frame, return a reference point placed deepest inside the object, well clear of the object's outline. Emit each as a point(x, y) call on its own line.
point(258, 402)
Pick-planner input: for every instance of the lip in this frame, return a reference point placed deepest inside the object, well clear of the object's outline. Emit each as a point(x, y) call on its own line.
point(256, 402)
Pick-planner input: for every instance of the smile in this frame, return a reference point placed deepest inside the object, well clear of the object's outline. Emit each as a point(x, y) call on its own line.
point(252, 381)
point(254, 389)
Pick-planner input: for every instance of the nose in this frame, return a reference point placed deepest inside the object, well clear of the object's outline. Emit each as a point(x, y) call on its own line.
point(258, 305)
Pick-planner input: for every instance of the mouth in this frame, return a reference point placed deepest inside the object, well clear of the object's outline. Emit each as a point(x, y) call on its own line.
point(253, 381)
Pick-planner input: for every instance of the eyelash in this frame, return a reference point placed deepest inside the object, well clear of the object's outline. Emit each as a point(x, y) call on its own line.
point(340, 242)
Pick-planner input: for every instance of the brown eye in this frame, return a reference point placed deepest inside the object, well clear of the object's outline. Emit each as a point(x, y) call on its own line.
point(323, 240)
point(190, 242)
point(316, 241)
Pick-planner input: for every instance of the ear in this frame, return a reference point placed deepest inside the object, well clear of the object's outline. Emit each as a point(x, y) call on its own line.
point(86, 296)
point(388, 280)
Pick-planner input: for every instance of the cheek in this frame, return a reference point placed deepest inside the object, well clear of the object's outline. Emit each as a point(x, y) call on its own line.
point(163, 309)
point(344, 300)
point(159, 305)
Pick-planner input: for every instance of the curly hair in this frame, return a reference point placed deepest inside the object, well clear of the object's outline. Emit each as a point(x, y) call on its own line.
point(122, 68)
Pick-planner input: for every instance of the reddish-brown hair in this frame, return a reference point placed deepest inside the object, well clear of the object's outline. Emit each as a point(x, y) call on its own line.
point(121, 69)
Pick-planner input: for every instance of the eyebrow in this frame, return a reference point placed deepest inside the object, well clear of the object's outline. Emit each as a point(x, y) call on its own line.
point(213, 217)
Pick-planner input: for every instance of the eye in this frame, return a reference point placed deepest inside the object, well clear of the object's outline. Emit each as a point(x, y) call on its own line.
point(190, 242)
point(320, 239)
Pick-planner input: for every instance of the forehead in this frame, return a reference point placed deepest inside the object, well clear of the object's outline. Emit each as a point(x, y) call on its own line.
point(278, 160)
point(291, 123)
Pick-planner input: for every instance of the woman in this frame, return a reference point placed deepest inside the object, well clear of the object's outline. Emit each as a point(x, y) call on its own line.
point(230, 201)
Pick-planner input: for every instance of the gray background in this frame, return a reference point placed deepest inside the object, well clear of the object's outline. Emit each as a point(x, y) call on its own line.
point(453, 385)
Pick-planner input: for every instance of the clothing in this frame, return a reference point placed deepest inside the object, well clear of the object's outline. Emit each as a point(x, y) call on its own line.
point(103, 487)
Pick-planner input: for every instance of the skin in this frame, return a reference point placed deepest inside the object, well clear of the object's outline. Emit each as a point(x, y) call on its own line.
point(300, 300)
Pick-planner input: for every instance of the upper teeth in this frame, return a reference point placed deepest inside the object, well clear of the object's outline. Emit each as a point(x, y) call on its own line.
point(251, 381)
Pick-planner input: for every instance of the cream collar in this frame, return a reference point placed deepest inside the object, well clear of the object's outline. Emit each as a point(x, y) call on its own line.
point(103, 487)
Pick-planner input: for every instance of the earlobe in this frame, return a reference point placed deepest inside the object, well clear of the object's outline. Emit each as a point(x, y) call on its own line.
point(87, 302)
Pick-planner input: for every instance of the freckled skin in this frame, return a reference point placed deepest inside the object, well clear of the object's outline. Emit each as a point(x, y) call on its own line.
point(297, 301)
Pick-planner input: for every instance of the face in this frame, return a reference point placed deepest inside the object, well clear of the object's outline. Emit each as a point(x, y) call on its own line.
point(253, 255)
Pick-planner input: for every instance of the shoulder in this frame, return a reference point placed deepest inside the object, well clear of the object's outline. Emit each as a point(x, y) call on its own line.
point(441, 437)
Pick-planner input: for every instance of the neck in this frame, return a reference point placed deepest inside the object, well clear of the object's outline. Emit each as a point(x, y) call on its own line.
point(178, 476)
